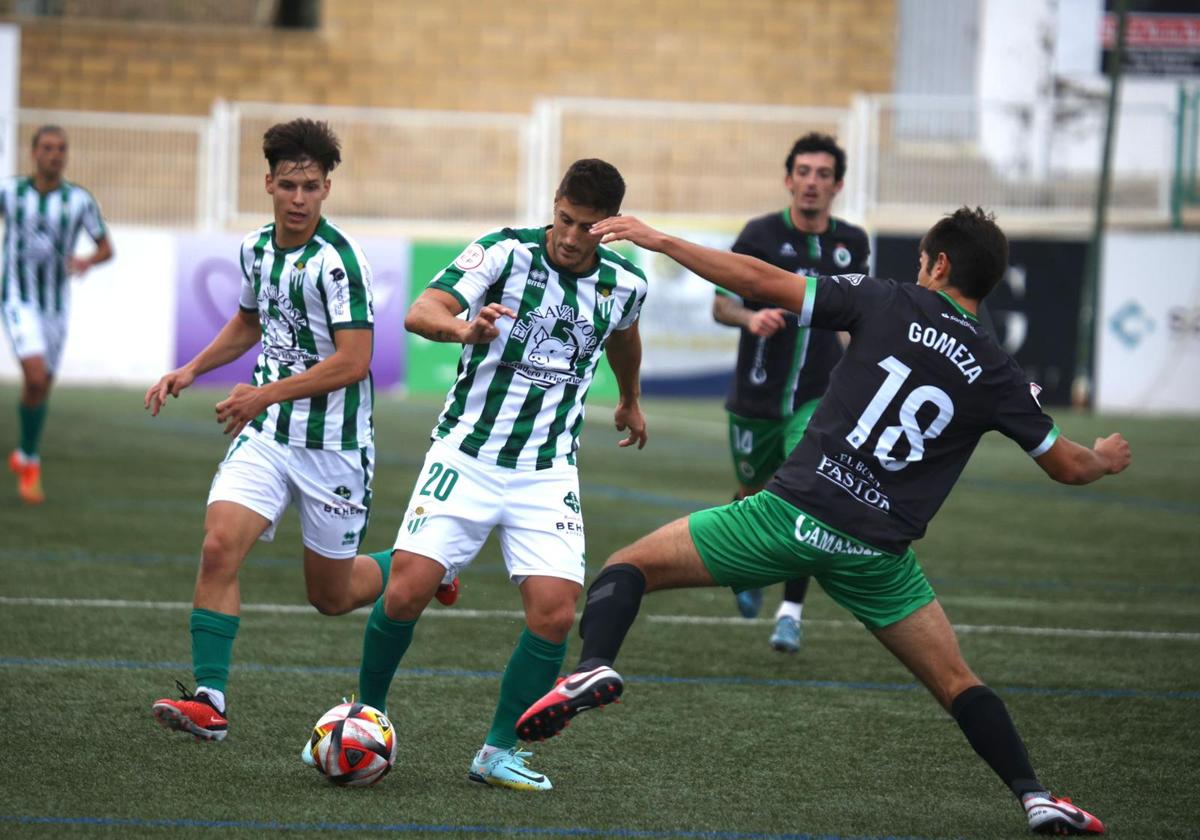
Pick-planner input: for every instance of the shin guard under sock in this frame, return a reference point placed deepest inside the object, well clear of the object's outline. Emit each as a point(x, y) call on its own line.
point(612, 605)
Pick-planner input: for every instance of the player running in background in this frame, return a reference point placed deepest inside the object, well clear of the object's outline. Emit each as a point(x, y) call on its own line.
point(782, 367)
point(919, 386)
point(541, 304)
point(44, 214)
point(302, 433)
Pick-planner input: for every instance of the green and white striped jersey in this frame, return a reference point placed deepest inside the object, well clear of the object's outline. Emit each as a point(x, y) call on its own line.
point(40, 234)
point(518, 400)
point(303, 295)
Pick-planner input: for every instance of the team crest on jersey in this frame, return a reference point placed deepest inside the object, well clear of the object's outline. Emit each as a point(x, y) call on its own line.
point(841, 256)
point(604, 304)
point(281, 338)
point(556, 340)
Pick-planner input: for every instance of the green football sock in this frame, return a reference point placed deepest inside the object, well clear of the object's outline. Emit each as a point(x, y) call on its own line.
point(384, 559)
point(384, 644)
point(531, 672)
point(212, 647)
point(32, 418)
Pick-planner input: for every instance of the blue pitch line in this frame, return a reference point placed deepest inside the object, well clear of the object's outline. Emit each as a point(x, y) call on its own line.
point(648, 679)
point(442, 828)
point(1021, 488)
point(261, 561)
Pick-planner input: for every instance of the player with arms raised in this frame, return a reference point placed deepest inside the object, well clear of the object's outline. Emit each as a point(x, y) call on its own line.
point(301, 433)
point(44, 214)
point(920, 384)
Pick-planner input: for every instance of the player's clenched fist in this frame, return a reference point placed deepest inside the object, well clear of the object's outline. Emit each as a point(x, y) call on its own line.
point(1116, 449)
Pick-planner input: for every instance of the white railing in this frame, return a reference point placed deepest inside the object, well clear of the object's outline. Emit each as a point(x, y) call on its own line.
point(154, 170)
point(934, 153)
point(702, 164)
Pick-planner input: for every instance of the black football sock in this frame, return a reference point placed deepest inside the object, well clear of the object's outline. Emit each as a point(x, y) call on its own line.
point(612, 605)
point(795, 590)
point(984, 719)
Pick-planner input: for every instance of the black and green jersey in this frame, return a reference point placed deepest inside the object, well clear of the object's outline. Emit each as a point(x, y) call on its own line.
point(518, 400)
point(40, 234)
point(920, 384)
point(778, 374)
point(303, 295)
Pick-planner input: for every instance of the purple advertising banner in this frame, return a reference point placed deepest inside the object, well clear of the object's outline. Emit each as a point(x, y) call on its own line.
point(210, 278)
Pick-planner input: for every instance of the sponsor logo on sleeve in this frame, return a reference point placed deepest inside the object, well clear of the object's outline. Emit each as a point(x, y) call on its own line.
point(1035, 391)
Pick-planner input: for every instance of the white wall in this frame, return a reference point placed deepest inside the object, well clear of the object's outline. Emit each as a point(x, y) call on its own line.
point(1030, 48)
point(10, 84)
point(1148, 329)
point(122, 328)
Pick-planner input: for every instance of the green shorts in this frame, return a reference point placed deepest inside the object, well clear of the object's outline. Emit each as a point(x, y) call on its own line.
point(762, 540)
point(760, 446)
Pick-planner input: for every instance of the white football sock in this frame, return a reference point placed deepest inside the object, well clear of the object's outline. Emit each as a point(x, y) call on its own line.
point(217, 697)
point(788, 609)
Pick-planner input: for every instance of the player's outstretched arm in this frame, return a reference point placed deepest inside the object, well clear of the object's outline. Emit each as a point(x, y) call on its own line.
point(1071, 463)
point(240, 333)
point(434, 315)
point(624, 351)
point(747, 276)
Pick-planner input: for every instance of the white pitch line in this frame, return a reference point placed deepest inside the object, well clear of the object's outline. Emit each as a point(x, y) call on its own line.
point(456, 612)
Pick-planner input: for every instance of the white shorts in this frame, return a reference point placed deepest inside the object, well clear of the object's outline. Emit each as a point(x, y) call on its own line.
point(35, 333)
point(458, 500)
point(331, 489)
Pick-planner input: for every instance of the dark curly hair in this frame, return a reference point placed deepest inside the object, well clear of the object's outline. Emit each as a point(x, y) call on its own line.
point(593, 183)
point(976, 247)
point(815, 141)
point(300, 140)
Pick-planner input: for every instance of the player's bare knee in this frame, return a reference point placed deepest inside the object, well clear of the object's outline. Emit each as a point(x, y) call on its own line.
point(401, 604)
point(552, 622)
point(331, 603)
point(36, 389)
point(218, 556)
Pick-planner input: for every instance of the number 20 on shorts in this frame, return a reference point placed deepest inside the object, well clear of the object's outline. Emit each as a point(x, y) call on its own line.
point(440, 483)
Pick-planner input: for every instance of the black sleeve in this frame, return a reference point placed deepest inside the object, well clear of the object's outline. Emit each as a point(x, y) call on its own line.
point(841, 301)
point(1019, 415)
point(862, 262)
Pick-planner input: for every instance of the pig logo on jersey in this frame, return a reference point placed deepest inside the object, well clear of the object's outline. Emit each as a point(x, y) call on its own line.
point(557, 342)
point(281, 332)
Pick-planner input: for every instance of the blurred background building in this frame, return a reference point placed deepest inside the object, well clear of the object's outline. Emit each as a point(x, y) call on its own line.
point(458, 116)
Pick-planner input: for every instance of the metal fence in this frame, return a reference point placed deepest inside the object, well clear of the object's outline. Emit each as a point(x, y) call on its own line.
point(149, 170)
point(1033, 160)
point(909, 157)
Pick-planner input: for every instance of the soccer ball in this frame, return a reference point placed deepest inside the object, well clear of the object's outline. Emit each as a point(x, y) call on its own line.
point(353, 744)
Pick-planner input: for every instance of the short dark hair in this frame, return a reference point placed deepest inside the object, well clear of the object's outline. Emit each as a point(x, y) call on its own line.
point(47, 129)
point(302, 139)
point(593, 183)
point(976, 247)
point(815, 141)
